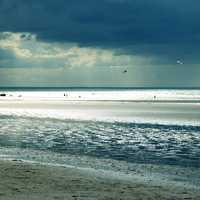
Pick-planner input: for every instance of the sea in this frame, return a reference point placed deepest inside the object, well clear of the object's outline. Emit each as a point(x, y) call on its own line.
point(158, 127)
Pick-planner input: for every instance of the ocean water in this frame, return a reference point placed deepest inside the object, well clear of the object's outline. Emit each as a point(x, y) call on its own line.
point(135, 143)
point(147, 133)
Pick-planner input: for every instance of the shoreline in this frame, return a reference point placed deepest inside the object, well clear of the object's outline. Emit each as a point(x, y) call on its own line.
point(25, 180)
point(156, 173)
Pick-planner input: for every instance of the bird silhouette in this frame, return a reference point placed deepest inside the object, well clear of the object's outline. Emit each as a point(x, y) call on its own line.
point(179, 62)
point(125, 71)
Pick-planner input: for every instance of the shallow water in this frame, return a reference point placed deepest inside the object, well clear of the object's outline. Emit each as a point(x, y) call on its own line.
point(131, 142)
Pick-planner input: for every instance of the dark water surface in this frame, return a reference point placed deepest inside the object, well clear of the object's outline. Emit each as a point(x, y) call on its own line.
point(136, 143)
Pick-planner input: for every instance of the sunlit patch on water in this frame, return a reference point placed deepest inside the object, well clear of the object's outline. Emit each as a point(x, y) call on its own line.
point(136, 143)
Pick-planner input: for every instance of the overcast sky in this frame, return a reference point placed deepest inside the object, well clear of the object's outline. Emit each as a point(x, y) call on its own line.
point(92, 42)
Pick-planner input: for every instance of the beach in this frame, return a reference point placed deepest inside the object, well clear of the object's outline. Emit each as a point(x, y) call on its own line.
point(21, 180)
point(117, 147)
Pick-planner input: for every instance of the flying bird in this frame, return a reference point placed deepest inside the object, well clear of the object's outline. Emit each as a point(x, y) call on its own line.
point(125, 71)
point(179, 62)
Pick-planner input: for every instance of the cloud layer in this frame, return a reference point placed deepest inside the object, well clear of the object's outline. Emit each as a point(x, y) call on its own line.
point(154, 36)
point(25, 50)
point(106, 22)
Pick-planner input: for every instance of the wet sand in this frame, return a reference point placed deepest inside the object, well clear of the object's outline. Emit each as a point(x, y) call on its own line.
point(20, 180)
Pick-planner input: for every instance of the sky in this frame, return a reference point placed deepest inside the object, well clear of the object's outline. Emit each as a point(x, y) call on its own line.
point(92, 43)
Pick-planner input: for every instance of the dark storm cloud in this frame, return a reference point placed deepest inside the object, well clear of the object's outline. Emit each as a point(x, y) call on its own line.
point(166, 29)
point(105, 22)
